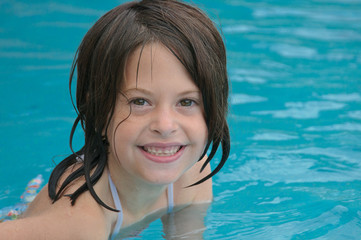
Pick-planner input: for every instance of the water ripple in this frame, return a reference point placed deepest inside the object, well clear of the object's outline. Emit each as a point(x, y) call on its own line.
point(354, 114)
point(63, 24)
point(325, 15)
point(276, 200)
point(16, 43)
point(343, 97)
point(273, 137)
point(293, 228)
point(327, 34)
point(294, 51)
point(348, 230)
point(277, 225)
point(22, 9)
point(239, 98)
point(249, 79)
point(302, 110)
point(305, 165)
point(37, 55)
point(336, 127)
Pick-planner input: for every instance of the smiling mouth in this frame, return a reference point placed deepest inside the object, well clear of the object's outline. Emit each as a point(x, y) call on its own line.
point(162, 151)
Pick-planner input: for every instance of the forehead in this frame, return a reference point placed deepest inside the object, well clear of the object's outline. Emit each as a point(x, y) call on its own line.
point(151, 63)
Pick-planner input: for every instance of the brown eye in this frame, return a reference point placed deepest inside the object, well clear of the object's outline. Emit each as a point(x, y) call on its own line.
point(186, 102)
point(138, 101)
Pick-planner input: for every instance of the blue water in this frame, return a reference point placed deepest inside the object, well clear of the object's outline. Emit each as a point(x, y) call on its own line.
point(295, 111)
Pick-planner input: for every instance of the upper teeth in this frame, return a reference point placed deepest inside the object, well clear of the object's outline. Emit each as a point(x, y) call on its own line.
point(168, 151)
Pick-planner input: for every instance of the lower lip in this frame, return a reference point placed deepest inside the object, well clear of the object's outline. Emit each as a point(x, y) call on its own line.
point(163, 159)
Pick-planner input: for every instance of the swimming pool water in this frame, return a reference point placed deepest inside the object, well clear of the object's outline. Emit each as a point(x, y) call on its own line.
point(295, 111)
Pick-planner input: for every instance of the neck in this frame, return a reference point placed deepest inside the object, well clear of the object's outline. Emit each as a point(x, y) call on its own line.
point(137, 197)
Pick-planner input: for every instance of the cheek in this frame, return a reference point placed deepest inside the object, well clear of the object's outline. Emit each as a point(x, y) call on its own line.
point(125, 131)
point(200, 130)
point(116, 132)
point(205, 137)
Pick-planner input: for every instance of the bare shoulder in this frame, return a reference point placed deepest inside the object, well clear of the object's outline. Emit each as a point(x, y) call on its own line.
point(198, 193)
point(59, 220)
point(52, 225)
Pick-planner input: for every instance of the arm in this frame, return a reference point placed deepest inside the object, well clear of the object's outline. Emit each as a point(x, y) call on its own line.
point(67, 225)
point(44, 220)
point(35, 228)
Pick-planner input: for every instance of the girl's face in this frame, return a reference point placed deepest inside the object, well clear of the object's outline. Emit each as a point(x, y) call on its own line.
point(166, 132)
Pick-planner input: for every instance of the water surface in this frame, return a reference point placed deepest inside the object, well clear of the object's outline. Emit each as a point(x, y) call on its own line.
point(295, 111)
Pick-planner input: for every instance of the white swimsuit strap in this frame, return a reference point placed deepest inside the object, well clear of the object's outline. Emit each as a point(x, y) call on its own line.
point(118, 206)
point(170, 198)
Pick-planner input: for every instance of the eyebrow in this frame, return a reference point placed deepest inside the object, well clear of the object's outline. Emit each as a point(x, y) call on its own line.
point(145, 91)
point(137, 90)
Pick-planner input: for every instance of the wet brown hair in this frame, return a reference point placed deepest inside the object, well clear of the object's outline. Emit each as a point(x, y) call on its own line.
point(100, 62)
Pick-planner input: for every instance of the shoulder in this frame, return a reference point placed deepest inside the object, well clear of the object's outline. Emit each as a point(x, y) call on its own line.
point(51, 226)
point(61, 219)
point(198, 193)
point(56, 221)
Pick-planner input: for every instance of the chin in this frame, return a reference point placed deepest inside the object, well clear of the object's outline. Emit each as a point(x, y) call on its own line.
point(161, 178)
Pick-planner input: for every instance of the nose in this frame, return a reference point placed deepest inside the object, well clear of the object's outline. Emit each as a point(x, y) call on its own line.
point(164, 122)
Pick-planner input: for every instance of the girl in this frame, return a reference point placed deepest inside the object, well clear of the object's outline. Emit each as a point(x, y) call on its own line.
point(151, 98)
